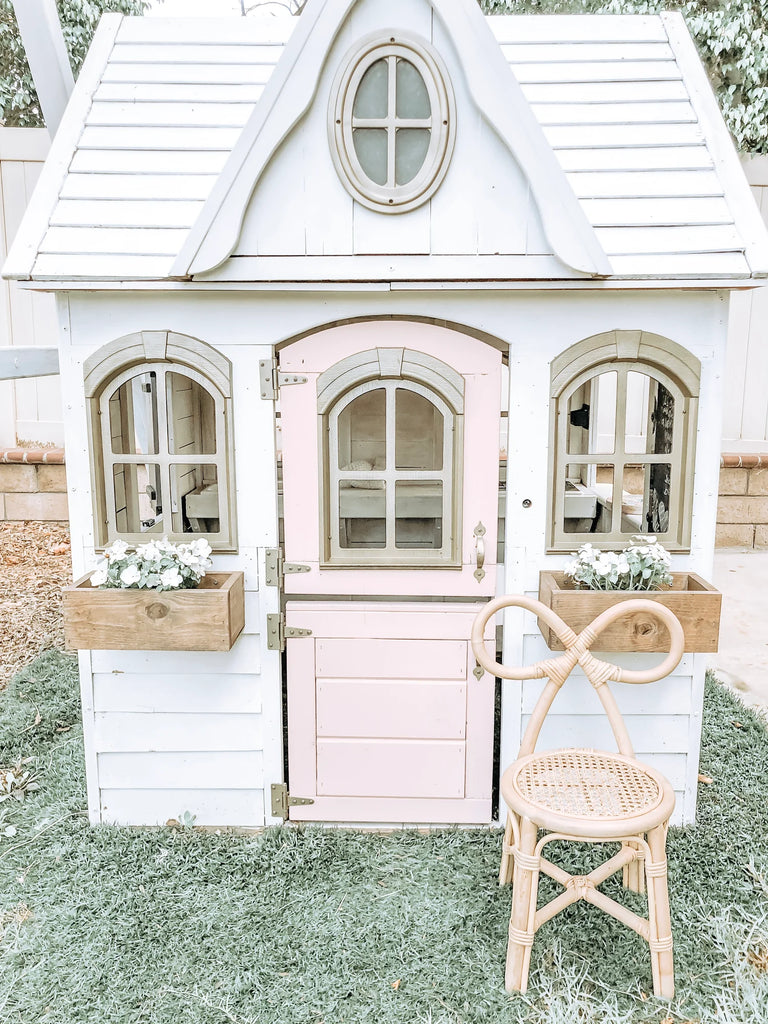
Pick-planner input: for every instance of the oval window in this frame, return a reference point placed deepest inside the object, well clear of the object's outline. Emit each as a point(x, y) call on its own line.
point(393, 123)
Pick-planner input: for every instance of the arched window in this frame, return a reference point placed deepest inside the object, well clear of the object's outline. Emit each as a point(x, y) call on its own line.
point(160, 433)
point(623, 435)
point(392, 455)
point(392, 123)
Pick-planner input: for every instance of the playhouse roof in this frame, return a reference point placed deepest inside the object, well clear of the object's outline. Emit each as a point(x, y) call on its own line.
point(623, 101)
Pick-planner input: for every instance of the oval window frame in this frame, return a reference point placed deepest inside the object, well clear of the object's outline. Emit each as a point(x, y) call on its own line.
point(398, 198)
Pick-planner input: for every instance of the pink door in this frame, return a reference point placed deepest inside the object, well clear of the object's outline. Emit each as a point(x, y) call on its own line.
point(390, 489)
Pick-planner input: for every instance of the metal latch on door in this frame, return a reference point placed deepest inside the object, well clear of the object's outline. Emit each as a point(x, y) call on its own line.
point(282, 800)
point(271, 379)
point(278, 632)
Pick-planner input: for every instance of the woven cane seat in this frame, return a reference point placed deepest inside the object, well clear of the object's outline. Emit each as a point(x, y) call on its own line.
point(589, 785)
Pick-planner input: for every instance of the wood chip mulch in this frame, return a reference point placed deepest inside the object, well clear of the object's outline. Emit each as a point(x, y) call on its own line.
point(35, 564)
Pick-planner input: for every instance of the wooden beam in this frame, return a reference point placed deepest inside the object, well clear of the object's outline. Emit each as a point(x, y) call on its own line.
point(47, 55)
point(18, 361)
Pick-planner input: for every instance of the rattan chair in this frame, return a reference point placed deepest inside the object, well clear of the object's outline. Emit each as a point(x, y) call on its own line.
point(586, 796)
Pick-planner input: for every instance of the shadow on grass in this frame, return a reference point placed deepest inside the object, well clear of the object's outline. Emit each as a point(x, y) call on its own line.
point(308, 925)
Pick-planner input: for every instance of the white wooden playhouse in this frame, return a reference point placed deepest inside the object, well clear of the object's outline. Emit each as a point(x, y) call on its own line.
point(410, 302)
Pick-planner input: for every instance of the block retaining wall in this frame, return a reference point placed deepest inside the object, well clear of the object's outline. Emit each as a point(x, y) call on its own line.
point(742, 507)
point(33, 484)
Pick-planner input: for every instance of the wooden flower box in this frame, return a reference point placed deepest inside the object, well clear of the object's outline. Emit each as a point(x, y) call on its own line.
point(694, 601)
point(209, 617)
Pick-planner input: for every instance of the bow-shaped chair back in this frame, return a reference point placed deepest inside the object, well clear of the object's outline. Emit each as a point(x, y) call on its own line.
point(577, 652)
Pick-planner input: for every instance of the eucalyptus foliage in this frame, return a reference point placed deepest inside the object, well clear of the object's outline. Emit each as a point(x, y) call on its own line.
point(732, 39)
point(19, 105)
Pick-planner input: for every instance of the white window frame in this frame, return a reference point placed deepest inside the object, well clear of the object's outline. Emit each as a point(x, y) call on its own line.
point(624, 352)
point(392, 198)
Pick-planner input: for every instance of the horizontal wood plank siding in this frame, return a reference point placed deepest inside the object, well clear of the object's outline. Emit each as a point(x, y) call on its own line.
point(214, 807)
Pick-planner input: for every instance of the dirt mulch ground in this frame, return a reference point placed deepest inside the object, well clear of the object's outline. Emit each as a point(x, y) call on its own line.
point(35, 564)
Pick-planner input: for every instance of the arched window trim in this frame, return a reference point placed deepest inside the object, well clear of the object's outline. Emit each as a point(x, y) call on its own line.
point(391, 369)
point(119, 361)
point(624, 351)
point(397, 198)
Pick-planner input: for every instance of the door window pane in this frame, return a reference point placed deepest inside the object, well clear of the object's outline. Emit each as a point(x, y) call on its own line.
point(658, 500)
point(191, 417)
point(362, 432)
point(133, 416)
point(418, 514)
point(362, 514)
point(418, 432)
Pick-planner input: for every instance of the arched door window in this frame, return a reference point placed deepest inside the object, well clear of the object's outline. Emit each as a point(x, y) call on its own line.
point(391, 472)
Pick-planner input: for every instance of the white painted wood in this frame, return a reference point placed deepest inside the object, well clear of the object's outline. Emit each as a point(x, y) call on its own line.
point(154, 137)
point(662, 211)
point(123, 732)
point(544, 52)
point(599, 92)
point(21, 361)
point(222, 693)
point(695, 265)
point(189, 74)
point(109, 161)
point(631, 184)
point(30, 144)
point(648, 159)
point(114, 213)
point(670, 697)
point(21, 258)
point(565, 113)
point(562, 28)
point(721, 145)
point(171, 93)
point(138, 241)
point(174, 770)
point(46, 53)
point(65, 268)
point(267, 28)
point(213, 807)
point(605, 71)
point(244, 657)
point(682, 239)
point(150, 52)
point(89, 744)
point(613, 135)
point(171, 115)
point(148, 186)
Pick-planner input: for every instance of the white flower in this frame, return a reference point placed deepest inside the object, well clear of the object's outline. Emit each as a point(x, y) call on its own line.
point(149, 552)
point(130, 575)
point(201, 547)
point(171, 578)
point(98, 577)
point(117, 550)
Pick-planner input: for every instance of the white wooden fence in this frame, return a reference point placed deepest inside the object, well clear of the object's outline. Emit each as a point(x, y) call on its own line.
point(745, 412)
point(30, 410)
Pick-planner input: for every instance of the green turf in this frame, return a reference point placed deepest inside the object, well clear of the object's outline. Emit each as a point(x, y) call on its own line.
point(113, 926)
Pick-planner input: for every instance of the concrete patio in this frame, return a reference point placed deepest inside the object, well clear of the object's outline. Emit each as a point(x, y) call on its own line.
point(742, 661)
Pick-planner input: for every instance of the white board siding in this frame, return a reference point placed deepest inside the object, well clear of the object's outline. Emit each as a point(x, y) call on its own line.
point(219, 693)
point(139, 732)
point(212, 807)
point(200, 770)
point(125, 213)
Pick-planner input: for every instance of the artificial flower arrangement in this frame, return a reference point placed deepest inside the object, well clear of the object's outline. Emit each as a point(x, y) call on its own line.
point(643, 565)
point(157, 565)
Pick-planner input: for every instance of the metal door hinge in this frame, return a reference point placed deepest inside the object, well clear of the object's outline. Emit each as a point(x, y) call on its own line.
point(271, 379)
point(282, 800)
point(278, 632)
point(275, 568)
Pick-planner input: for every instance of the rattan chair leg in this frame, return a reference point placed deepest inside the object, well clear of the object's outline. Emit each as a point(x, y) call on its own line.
point(662, 959)
point(524, 895)
point(633, 876)
point(507, 859)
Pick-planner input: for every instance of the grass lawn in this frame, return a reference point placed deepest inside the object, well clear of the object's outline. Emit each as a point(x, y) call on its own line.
point(309, 925)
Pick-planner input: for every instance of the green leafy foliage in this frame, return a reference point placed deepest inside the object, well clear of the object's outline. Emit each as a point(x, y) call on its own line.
point(19, 106)
point(732, 39)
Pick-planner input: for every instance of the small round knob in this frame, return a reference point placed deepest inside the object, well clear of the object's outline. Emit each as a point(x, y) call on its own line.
point(527, 502)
